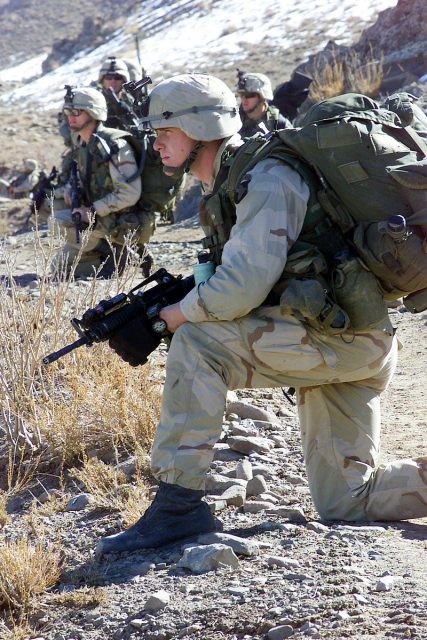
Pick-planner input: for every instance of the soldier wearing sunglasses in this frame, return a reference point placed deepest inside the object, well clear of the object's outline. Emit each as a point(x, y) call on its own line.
point(257, 114)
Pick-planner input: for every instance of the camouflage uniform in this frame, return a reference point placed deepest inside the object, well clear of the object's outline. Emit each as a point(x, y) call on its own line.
point(230, 333)
point(112, 187)
point(270, 121)
point(233, 340)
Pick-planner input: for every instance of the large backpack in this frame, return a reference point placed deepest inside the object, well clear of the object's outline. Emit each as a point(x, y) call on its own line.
point(371, 166)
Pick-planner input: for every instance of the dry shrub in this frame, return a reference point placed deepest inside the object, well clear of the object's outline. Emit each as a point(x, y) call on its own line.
point(89, 400)
point(17, 631)
point(3, 511)
point(109, 489)
point(366, 77)
point(80, 598)
point(99, 404)
point(328, 79)
point(334, 75)
point(26, 571)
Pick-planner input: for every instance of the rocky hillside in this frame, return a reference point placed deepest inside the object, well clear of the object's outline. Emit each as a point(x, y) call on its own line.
point(30, 27)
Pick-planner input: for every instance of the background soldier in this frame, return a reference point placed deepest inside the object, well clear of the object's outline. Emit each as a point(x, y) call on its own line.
point(110, 187)
point(112, 76)
point(255, 91)
point(159, 190)
point(21, 185)
point(236, 331)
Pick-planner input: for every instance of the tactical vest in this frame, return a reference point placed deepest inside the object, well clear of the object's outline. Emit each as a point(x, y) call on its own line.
point(272, 119)
point(158, 190)
point(329, 296)
point(93, 164)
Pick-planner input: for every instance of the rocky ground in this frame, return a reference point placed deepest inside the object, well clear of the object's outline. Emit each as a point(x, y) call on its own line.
point(276, 571)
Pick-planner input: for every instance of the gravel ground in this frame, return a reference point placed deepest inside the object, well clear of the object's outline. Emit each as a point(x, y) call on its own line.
point(288, 574)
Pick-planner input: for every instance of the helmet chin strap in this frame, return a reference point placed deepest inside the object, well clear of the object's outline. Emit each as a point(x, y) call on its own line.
point(177, 172)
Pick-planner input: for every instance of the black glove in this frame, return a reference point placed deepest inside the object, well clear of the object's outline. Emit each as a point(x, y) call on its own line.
point(134, 341)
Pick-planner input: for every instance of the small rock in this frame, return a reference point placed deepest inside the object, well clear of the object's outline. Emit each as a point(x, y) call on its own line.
point(256, 486)
point(158, 600)
point(207, 558)
point(79, 502)
point(255, 506)
point(318, 527)
point(244, 470)
point(386, 583)
point(279, 633)
point(248, 445)
point(294, 515)
point(240, 546)
point(278, 561)
point(246, 410)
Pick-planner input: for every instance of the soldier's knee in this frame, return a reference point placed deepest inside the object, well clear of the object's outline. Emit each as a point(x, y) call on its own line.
point(348, 505)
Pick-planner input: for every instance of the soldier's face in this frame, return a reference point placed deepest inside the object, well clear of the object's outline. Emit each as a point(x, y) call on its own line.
point(173, 145)
point(251, 102)
point(114, 82)
point(78, 119)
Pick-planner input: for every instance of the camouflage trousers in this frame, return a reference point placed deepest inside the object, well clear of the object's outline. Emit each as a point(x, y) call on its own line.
point(338, 381)
point(102, 247)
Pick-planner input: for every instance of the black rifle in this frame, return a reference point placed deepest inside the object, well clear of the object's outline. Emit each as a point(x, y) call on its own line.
point(75, 198)
point(120, 113)
point(41, 191)
point(139, 91)
point(102, 321)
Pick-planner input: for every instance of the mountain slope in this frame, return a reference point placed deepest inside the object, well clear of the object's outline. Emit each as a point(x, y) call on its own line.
point(214, 36)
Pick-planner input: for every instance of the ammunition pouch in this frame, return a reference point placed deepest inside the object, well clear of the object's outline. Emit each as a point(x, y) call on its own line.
point(400, 265)
point(357, 290)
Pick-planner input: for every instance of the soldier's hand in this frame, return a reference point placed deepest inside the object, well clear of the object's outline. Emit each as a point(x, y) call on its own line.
point(173, 317)
point(135, 341)
point(84, 212)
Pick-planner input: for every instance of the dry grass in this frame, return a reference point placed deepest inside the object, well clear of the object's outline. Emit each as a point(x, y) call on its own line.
point(86, 405)
point(110, 489)
point(80, 598)
point(90, 401)
point(25, 572)
point(334, 75)
point(17, 631)
point(3, 512)
point(328, 79)
point(366, 77)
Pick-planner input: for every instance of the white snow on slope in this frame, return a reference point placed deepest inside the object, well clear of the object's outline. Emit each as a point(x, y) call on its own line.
point(183, 36)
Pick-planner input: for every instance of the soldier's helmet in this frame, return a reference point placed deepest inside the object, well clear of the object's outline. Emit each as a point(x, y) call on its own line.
point(134, 69)
point(115, 66)
point(30, 164)
point(202, 106)
point(255, 83)
point(88, 99)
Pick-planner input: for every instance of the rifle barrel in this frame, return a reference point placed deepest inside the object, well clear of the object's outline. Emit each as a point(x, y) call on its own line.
point(62, 352)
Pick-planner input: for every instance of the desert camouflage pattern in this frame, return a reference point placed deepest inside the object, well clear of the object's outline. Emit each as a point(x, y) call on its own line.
point(216, 118)
point(234, 341)
point(90, 100)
